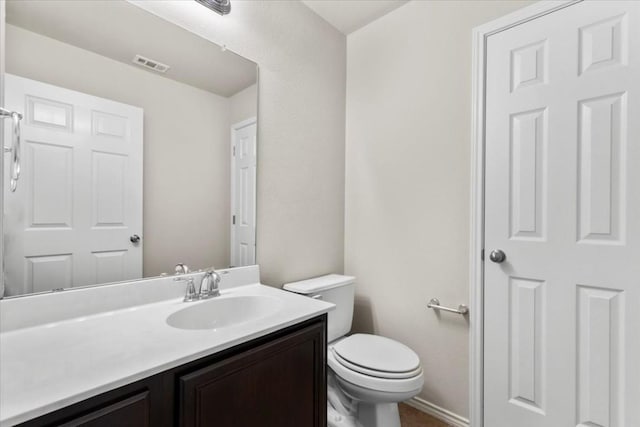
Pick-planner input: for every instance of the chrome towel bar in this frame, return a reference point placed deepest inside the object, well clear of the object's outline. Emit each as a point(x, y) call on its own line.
point(435, 304)
point(15, 146)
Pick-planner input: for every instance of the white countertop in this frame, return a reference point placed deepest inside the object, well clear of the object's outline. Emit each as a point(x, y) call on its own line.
point(53, 365)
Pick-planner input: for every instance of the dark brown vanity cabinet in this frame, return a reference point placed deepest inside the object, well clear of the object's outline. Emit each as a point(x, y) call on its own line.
point(280, 383)
point(275, 381)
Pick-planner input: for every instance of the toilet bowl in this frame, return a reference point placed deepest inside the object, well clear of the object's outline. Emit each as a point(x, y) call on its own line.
point(377, 373)
point(374, 372)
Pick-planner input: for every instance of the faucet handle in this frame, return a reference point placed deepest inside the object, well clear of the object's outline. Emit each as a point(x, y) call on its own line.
point(190, 293)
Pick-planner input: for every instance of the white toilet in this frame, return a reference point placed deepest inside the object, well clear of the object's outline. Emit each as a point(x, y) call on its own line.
point(374, 372)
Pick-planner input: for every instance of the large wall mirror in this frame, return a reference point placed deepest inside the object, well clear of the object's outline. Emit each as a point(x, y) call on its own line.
point(138, 147)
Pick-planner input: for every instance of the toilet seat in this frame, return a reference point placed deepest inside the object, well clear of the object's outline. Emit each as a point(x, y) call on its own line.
point(376, 363)
point(373, 372)
point(377, 356)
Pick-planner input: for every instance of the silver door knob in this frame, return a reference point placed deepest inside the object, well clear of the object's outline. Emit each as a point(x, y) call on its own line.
point(497, 256)
point(135, 238)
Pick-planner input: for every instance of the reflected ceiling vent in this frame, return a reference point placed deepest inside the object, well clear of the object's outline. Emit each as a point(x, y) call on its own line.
point(223, 7)
point(151, 64)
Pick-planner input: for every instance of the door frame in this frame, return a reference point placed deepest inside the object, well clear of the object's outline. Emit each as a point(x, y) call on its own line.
point(232, 230)
point(2, 142)
point(476, 252)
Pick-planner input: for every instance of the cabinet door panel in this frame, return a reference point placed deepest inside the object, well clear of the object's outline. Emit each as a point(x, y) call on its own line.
point(131, 412)
point(281, 383)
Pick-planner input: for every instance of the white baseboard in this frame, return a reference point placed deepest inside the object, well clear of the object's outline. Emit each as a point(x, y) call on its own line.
point(438, 412)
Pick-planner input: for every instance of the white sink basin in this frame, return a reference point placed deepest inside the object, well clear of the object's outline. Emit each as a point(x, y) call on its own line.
point(224, 311)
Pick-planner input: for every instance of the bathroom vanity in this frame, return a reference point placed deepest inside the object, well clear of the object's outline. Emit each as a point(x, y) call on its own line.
point(121, 357)
point(248, 385)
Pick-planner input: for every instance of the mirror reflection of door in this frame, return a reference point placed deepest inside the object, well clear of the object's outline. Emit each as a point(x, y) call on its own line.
point(243, 193)
point(71, 219)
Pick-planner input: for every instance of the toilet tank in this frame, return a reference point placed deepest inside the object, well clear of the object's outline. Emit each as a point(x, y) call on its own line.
point(333, 288)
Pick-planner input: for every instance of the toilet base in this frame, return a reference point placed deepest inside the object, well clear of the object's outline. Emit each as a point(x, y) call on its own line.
point(375, 408)
point(378, 414)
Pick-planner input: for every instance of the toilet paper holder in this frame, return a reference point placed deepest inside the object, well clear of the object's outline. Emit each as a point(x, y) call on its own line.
point(434, 303)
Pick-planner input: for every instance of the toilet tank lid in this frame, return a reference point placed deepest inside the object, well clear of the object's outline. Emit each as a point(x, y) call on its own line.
point(318, 284)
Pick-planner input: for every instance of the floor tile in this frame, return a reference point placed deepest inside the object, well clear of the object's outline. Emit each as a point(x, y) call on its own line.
point(411, 417)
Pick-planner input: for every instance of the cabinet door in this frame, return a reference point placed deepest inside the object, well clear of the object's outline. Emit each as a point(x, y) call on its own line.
point(148, 402)
point(279, 384)
point(131, 412)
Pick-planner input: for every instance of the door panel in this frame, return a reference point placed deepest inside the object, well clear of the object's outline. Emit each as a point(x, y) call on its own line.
point(109, 191)
point(527, 164)
point(44, 273)
point(50, 174)
point(562, 201)
point(526, 337)
point(600, 356)
point(49, 113)
point(601, 168)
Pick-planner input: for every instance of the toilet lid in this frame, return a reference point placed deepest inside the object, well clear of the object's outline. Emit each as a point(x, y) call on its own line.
point(376, 353)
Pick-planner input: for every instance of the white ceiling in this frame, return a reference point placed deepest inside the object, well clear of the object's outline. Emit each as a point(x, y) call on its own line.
point(119, 30)
point(350, 15)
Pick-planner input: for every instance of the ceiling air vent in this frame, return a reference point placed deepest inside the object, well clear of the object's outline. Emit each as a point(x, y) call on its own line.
point(151, 64)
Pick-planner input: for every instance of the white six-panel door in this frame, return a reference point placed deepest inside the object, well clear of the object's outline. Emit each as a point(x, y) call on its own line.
point(243, 197)
point(562, 312)
point(79, 198)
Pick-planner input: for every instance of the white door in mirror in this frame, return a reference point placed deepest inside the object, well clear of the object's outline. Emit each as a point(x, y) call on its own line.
point(243, 193)
point(71, 221)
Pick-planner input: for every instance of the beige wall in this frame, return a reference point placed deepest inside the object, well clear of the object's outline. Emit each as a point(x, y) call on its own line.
point(407, 181)
point(186, 146)
point(243, 105)
point(300, 132)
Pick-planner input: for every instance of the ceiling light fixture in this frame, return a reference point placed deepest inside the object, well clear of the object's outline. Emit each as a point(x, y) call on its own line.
point(223, 7)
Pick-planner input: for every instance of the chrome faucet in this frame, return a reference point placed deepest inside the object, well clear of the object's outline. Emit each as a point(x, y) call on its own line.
point(209, 285)
point(182, 268)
